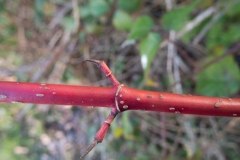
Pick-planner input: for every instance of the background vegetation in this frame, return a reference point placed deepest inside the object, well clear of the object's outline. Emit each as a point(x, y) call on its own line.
point(180, 46)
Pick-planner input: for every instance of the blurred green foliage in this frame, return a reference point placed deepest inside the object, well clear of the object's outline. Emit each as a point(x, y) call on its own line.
point(148, 48)
point(93, 10)
point(140, 27)
point(122, 20)
point(220, 79)
point(19, 139)
point(129, 6)
point(177, 18)
point(229, 34)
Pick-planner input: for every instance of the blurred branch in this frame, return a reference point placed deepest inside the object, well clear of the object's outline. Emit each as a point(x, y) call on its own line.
point(192, 24)
point(215, 18)
point(231, 51)
point(169, 4)
point(196, 21)
point(76, 15)
point(59, 15)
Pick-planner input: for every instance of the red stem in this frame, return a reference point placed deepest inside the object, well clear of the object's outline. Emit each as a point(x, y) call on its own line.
point(126, 99)
point(134, 99)
point(118, 97)
point(56, 94)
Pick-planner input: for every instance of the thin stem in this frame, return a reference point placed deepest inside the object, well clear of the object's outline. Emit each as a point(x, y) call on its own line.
point(102, 65)
point(89, 149)
point(99, 136)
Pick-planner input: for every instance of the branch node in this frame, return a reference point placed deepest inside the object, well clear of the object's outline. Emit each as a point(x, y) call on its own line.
point(116, 101)
point(107, 123)
point(109, 74)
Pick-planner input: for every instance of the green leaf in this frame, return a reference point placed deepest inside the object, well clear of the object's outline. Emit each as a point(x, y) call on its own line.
point(91, 11)
point(85, 11)
point(122, 20)
point(177, 18)
point(228, 36)
point(141, 27)
point(98, 7)
point(220, 79)
point(68, 23)
point(129, 6)
point(234, 11)
point(148, 48)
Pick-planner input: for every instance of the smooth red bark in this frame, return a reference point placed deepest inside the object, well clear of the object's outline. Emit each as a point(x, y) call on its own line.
point(126, 99)
point(39, 93)
point(134, 99)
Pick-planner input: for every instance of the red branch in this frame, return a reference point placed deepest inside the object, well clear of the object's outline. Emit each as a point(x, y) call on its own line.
point(134, 99)
point(126, 99)
point(38, 93)
point(119, 97)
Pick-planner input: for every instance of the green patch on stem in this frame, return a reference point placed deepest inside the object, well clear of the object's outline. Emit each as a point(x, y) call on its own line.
point(219, 79)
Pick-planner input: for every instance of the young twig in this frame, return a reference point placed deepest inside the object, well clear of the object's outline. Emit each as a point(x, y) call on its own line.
point(99, 136)
point(102, 65)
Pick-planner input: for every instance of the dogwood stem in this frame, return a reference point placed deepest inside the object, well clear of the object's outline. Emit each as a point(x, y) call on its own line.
point(118, 97)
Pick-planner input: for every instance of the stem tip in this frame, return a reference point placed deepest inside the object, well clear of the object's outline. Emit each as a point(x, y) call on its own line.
point(95, 142)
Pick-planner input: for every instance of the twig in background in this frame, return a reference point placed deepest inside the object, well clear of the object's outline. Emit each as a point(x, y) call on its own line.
point(196, 21)
point(215, 18)
point(59, 15)
point(177, 77)
point(173, 63)
point(76, 15)
point(191, 25)
point(231, 51)
point(169, 4)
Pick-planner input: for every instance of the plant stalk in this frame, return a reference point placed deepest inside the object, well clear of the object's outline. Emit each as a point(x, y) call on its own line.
point(118, 97)
point(39, 93)
point(126, 99)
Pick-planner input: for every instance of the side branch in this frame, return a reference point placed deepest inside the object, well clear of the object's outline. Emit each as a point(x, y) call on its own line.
point(104, 68)
point(99, 136)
